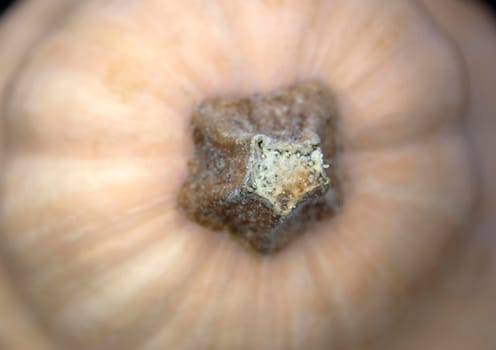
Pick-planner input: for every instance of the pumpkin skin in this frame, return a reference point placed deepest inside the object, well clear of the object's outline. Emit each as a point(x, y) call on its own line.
point(97, 145)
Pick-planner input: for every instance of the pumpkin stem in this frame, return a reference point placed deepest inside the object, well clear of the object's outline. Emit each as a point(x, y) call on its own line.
point(263, 166)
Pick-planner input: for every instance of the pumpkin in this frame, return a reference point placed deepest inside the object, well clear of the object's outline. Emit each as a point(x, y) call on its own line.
point(96, 127)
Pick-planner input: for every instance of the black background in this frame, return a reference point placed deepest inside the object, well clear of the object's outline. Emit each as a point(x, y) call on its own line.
point(4, 4)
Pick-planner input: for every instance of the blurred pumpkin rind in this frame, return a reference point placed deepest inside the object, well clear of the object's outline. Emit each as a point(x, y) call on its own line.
point(97, 148)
